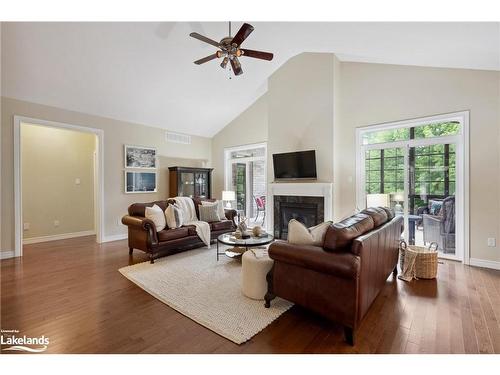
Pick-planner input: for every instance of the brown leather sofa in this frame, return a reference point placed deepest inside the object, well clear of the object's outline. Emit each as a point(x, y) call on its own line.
point(341, 279)
point(142, 232)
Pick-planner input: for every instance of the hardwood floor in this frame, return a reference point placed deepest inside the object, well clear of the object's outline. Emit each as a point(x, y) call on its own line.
point(71, 291)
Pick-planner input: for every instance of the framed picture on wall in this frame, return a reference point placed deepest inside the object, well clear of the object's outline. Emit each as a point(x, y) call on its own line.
point(140, 182)
point(140, 157)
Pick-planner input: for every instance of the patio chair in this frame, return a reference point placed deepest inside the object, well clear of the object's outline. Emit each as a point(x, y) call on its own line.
point(260, 202)
point(441, 228)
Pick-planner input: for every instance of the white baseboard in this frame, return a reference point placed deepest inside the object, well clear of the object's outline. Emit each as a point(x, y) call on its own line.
point(55, 237)
point(485, 263)
point(6, 254)
point(115, 237)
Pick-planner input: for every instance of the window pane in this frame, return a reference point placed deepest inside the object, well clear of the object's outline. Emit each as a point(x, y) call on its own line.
point(452, 188)
point(373, 176)
point(421, 175)
point(374, 164)
point(452, 174)
point(421, 161)
point(421, 150)
point(389, 175)
point(259, 151)
point(383, 136)
point(437, 176)
point(437, 188)
point(389, 187)
point(437, 160)
point(371, 154)
point(389, 163)
point(373, 188)
point(437, 129)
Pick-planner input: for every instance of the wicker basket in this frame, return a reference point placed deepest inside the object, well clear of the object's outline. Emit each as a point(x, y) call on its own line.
point(426, 262)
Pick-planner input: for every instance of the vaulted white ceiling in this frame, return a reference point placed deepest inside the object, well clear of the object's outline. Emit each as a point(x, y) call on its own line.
point(144, 72)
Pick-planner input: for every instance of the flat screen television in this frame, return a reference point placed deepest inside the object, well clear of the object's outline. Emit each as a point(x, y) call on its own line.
point(295, 165)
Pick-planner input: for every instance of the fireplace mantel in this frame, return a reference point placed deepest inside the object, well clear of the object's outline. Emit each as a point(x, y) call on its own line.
point(305, 189)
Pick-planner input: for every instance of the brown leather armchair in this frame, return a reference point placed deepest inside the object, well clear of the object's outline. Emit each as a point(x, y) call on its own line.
point(341, 279)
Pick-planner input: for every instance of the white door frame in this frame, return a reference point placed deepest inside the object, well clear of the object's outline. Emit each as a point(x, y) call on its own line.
point(98, 183)
point(462, 171)
point(228, 162)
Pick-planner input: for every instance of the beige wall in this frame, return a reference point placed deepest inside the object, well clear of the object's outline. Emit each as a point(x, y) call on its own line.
point(116, 134)
point(52, 159)
point(251, 126)
point(300, 95)
point(376, 93)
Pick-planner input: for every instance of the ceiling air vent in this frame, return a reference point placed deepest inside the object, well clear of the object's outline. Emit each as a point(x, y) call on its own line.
point(178, 138)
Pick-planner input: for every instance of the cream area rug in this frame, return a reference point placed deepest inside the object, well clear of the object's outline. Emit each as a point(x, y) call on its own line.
point(207, 291)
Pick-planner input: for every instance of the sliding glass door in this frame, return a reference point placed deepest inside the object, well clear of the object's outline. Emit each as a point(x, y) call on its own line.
point(417, 169)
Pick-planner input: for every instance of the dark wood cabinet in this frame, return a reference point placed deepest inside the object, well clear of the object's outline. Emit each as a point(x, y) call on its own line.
point(190, 182)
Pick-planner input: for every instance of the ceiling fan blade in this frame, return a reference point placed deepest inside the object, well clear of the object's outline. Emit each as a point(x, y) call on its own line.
point(206, 59)
point(257, 54)
point(205, 39)
point(235, 63)
point(242, 34)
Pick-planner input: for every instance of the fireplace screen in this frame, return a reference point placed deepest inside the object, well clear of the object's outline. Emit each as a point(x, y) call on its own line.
point(307, 210)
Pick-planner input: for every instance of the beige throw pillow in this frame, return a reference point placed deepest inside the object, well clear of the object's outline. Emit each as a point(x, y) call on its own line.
point(156, 215)
point(298, 234)
point(174, 217)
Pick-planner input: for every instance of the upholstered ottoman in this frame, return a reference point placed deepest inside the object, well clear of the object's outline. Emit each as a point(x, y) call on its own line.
point(255, 264)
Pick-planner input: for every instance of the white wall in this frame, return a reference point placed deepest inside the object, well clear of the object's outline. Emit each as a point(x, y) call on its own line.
point(116, 134)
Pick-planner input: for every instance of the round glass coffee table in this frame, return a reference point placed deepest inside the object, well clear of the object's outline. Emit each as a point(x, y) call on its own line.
point(239, 246)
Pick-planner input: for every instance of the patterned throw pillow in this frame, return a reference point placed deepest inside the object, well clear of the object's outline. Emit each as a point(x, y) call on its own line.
point(220, 208)
point(156, 215)
point(435, 207)
point(208, 213)
point(174, 216)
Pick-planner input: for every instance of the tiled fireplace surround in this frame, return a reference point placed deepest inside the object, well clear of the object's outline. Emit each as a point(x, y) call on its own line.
point(309, 202)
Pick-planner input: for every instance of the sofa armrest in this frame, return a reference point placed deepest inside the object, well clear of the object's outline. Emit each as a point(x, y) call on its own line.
point(343, 264)
point(142, 224)
point(231, 215)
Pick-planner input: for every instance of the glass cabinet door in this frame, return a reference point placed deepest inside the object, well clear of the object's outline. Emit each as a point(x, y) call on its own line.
point(186, 188)
point(201, 184)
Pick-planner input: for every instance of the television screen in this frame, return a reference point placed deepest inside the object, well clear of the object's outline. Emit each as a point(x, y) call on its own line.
point(295, 165)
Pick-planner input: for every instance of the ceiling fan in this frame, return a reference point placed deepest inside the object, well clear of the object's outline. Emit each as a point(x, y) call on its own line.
point(229, 49)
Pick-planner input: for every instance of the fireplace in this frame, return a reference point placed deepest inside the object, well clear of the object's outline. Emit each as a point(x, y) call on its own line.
point(307, 210)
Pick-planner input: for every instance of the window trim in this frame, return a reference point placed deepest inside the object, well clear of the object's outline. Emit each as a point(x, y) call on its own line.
point(461, 139)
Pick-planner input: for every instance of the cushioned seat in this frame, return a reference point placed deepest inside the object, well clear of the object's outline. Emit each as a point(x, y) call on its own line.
point(221, 225)
point(172, 234)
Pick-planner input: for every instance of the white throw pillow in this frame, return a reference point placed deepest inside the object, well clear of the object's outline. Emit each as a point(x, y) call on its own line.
point(298, 234)
point(174, 216)
point(220, 208)
point(156, 215)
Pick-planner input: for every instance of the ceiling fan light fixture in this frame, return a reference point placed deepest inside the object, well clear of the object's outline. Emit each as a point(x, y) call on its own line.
point(229, 49)
point(224, 62)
